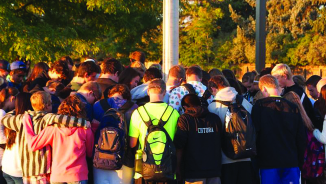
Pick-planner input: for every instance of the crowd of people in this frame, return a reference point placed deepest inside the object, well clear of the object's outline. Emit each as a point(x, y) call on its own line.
point(105, 123)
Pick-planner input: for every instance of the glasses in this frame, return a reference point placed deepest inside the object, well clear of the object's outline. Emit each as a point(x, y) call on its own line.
point(95, 98)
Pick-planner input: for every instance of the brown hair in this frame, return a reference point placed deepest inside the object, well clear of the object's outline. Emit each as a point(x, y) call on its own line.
point(218, 82)
point(111, 66)
point(72, 106)
point(248, 77)
point(40, 99)
point(152, 73)
point(121, 89)
point(268, 81)
point(92, 86)
point(195, 70)
point(61, 67)
point(294, 98)
point(178, 72)
point(37, 70)
point(22, 104)
point(87, 67)
point(5, 93)
point(137, 56)
point(127, 75)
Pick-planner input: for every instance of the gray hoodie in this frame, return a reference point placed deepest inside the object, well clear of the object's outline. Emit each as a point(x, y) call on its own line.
point(227, 94)
point(139, 92)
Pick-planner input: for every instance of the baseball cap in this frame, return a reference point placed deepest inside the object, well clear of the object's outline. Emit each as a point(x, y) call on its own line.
point(17, 65)
point(4, 65)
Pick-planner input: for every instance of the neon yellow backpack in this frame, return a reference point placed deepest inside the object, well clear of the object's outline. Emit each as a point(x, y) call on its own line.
point(159, 153)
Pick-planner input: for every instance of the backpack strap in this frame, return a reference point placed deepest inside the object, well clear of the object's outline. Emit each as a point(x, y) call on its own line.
point(126, 106)
point(189, 88)
point(163, 122)
point(223, 102)
point(206, 95)
point(105, 104)
point(147, 123)
point(239, 99)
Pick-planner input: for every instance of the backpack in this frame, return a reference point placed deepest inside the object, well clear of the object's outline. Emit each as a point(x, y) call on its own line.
point(239, 135)
point(314, 158)
point(203, 99)
point(159, 153)
point(110, 137)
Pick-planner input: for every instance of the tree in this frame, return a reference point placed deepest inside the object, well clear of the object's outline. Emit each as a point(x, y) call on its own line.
point(46, 30)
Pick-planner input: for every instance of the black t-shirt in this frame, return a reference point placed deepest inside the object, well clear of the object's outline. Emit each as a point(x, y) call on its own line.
point(199, 135)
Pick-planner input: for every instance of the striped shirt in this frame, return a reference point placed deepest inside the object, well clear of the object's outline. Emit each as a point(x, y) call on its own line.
point(38, 162)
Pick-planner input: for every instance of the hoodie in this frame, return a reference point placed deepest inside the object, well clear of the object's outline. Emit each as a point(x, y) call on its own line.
point(70, 146)
point(199, 136)
point(139, 94)
point(227, 94)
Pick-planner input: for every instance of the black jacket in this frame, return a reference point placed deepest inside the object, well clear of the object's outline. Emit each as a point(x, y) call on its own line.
point(281, 137)
point(199, 135)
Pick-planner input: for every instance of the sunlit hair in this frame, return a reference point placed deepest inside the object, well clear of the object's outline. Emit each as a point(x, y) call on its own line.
point(5, 93)
point(121, 89)
point(92, 86)
point(40, 99)
point(219, 82)
point(178, 72)
point(282, 69)
point(157, 86)
point(37, 70)
point(294, 98)
point(72, 106)
point(268, 81)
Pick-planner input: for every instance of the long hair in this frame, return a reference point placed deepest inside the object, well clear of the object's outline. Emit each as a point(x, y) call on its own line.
point(320, 104)
point(72, 106)
point(22, 104)
point(294, 98)
point(37, 70)
point(127, 75)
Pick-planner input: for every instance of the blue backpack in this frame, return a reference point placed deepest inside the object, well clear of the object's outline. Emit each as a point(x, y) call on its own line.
point(110, 137)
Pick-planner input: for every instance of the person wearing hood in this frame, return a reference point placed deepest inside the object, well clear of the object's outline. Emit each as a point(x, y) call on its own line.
point(233, 171)
point(139, 94)
point(70, 146)
point(198, 143)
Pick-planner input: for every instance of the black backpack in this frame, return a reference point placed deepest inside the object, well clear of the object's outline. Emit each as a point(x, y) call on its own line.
point(159, 153)
point(239, 134)
point(203, 99)
point(110, 137)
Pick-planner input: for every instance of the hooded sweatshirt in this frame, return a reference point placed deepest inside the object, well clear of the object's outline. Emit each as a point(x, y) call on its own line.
point(69, 149)
point(139, 94)
point(199, 136)
point(227, 94)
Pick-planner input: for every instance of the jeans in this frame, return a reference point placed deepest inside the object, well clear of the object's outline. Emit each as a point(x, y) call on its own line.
point(12, 180)
point(280, 176)
point(74, 182)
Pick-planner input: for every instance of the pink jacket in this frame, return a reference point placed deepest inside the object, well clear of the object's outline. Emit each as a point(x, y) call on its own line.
point(69, 149)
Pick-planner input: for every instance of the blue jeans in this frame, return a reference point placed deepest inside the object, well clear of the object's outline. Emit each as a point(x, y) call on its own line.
point(280, 176)
point(75, 182)
point(12, 180)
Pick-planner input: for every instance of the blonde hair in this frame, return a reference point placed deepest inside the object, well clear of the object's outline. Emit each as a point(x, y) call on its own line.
point(138, 66)
point(157, 86)
point(92, 86)
point(294, 98)
point(268, 81)
point(282, 69)
point(40, 99)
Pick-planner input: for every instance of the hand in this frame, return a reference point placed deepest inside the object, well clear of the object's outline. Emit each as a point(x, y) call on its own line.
point(95, 122)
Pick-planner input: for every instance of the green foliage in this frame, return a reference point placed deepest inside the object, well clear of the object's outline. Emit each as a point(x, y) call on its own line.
point(46, 30)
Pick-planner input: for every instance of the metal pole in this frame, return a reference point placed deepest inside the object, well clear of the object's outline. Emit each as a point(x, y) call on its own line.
point(170, 35)
point(260, 34)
